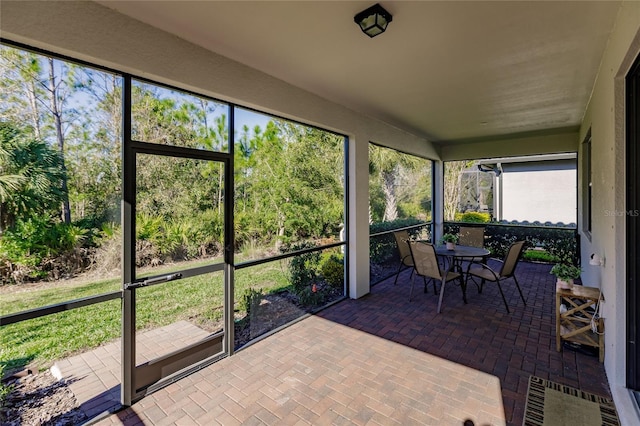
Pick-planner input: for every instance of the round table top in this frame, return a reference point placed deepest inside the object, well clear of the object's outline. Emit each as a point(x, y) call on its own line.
point(462, 251)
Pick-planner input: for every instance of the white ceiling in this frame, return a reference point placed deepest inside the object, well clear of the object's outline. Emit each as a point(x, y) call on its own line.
point(449, 71)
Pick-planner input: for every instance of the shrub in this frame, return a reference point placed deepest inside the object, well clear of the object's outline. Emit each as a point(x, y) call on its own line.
point(30, 248)
point(303, 267)
point(420, 211)
point(180, 239)
point(4, 388)
point(332, 270)
point(562, 246)
point(107, 255)
point(473, 217)
point(559, 242)
point(149, 227)
point(250, 300)
point(310, 296)
point(383, 248)
point(204, 234)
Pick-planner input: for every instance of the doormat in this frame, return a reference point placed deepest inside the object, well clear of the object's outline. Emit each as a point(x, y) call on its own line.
point(550, 404)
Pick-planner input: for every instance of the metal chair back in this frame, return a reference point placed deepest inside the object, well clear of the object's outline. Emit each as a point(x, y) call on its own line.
point(511, 259)
point(425, 260)
point(402, 240)
point(472, 236)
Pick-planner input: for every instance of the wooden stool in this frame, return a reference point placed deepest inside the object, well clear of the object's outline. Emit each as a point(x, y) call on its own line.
point(575, 325)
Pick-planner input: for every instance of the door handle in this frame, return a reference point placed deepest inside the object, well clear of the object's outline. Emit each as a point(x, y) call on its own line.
point(153, 281)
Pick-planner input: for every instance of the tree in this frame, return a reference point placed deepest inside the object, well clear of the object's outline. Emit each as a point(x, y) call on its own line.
point(247, 144)
point(21, 87)
point(386, 163)
point(414, 190)
point(453, 186)
point(293, 183)
point(217, 138)
point(56, 101)
point(93, 157)
point(256, 157)
point(46, 94)
point(30, 176)
point(168, 187)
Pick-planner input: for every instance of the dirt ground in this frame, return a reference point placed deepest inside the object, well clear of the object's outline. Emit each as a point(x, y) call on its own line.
point(40, 399)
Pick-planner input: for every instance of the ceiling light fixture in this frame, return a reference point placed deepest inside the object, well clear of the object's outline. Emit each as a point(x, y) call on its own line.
point(374, 20)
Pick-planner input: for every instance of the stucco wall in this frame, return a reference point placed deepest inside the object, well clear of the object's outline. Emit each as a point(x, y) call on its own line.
point(605, 118)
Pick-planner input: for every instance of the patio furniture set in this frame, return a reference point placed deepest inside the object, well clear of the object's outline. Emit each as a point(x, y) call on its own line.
point(576, 319)
point(424, 259)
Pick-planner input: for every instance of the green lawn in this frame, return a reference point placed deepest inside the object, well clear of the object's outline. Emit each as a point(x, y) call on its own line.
point(539, 256)
point(198, 299)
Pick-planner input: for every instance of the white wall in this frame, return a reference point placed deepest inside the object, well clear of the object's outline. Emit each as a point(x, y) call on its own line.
point(605, 118)
point(96, 34)
point(539, 195)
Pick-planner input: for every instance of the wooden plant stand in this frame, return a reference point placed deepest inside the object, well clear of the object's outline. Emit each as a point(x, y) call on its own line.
point(574, 325)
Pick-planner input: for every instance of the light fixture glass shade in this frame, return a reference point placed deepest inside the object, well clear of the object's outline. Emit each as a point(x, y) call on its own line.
point(373, 30)
point(367, 22)
point(374, 20)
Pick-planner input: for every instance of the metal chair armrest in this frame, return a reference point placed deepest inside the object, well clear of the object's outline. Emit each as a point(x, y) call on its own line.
point(484, 266)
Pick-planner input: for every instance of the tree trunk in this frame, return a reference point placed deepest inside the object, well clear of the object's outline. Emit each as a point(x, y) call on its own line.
point(452, 187)
point(2, 220)
point(220, 188)
point(390, 201)
point(280, 235)
point(57, 116)
point(33, 103)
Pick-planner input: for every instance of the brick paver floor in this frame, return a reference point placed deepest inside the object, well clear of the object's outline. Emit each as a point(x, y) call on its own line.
point(481, 335)
point(384, 360)
point(94, 376)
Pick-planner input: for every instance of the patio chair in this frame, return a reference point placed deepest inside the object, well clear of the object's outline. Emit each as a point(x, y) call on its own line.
point(472, 236)
point(402, 240)
point(427, 266)
point(485, 273)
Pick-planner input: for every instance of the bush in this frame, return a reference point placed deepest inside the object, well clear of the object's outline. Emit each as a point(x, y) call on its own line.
point(303, 267)
point(4, 388)
point(332, 270)
point(420, 211)
point(310, 296)
point(383, 248)
point(250, 300)
point(559, 242)
point(29, 250)
point(158, 239)
point(109, 251)
point(473, 217)
point(203, 234)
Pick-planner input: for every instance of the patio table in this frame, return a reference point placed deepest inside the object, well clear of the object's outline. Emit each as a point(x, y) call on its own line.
point(454, 263)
